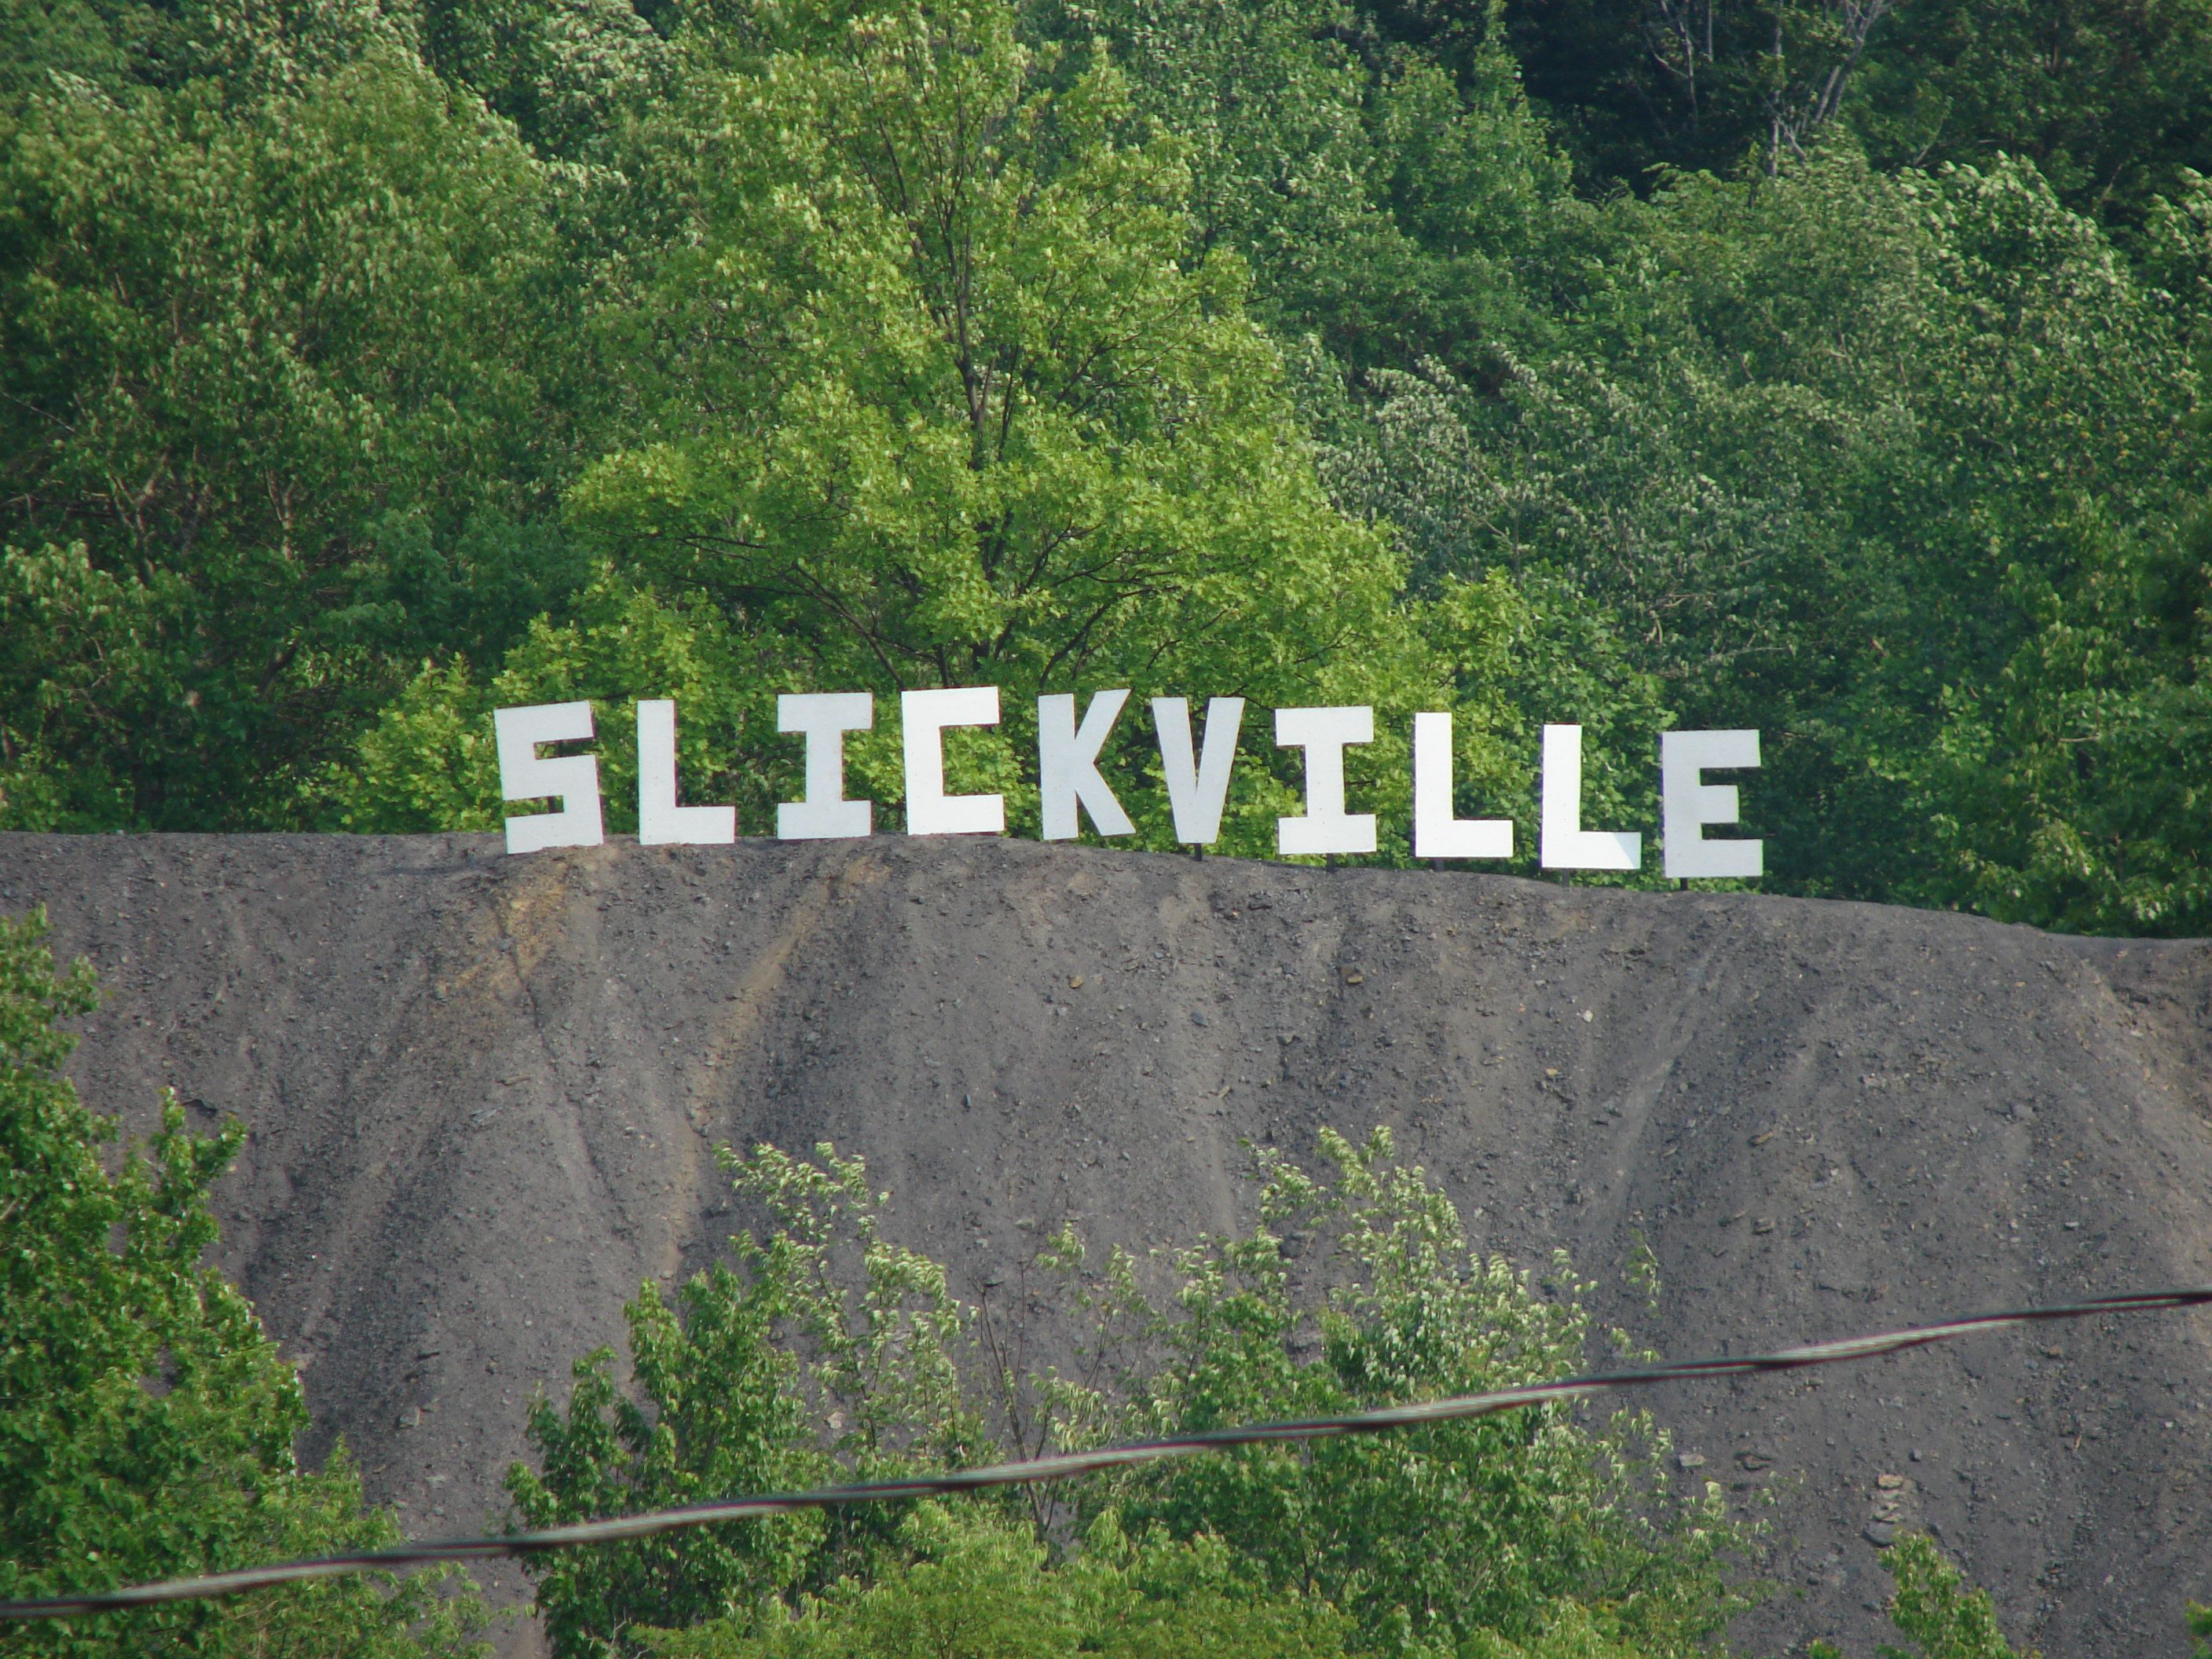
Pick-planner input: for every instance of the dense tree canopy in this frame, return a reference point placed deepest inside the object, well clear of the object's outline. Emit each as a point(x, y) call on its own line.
point(370, 367)
point(278, 367)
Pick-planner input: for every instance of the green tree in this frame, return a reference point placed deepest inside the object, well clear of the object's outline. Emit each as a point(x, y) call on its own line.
point(935, 389)
point(1381, 204)
point(827, 1349)
point(230, 54)
point(2067, 783)
point(1900, 469)
point(1427, 1537)
point(282, 416)
point(148, 1423)
point(1638, 92)
point(2112, 104)
point(568, 73)
point(2200, 1625)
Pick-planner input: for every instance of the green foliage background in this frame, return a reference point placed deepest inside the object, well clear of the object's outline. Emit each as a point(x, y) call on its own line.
point(1829, 369)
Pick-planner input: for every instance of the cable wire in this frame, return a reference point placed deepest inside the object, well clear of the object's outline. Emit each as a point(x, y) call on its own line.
point(1061, 1467)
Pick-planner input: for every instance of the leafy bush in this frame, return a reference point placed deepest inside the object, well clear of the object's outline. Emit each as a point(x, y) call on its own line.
point(148, 1422)
point(1934, 1609)
point(1358, 1290)
point(827, 1349)
point(973, 1585)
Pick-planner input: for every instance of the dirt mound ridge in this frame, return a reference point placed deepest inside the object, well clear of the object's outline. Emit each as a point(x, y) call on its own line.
point(483, 1094)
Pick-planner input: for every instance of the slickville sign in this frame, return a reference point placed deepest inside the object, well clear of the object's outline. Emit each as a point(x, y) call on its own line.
point(1195, 766)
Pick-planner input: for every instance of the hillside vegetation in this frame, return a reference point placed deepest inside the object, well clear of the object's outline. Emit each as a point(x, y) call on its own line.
point(1827, 367)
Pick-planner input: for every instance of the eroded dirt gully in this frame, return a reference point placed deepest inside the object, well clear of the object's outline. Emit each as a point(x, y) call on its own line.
point(484, 1094)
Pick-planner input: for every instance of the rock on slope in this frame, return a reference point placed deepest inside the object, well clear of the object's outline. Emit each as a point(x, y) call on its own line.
point(484, 1094)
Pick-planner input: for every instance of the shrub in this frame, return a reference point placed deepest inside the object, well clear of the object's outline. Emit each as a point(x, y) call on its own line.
point(148, 1420)
point(827, 1351)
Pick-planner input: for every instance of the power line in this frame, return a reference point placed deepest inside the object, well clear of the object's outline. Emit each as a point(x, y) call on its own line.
point(1075, 1464)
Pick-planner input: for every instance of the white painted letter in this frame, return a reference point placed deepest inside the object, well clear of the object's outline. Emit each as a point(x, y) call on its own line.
point(1067, 766)
point(929, 810)
point(1323, 733)
point(1566, 844)
point(824, 718)
point(1197, 790)
point(660, 821)
point(524, 775)
point(1436, 833)
point(1689, 804)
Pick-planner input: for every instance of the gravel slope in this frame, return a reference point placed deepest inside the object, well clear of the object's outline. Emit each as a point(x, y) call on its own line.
point(484, 1094)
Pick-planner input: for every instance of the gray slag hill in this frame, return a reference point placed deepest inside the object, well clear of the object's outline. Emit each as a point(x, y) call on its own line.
point(484, 1095)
